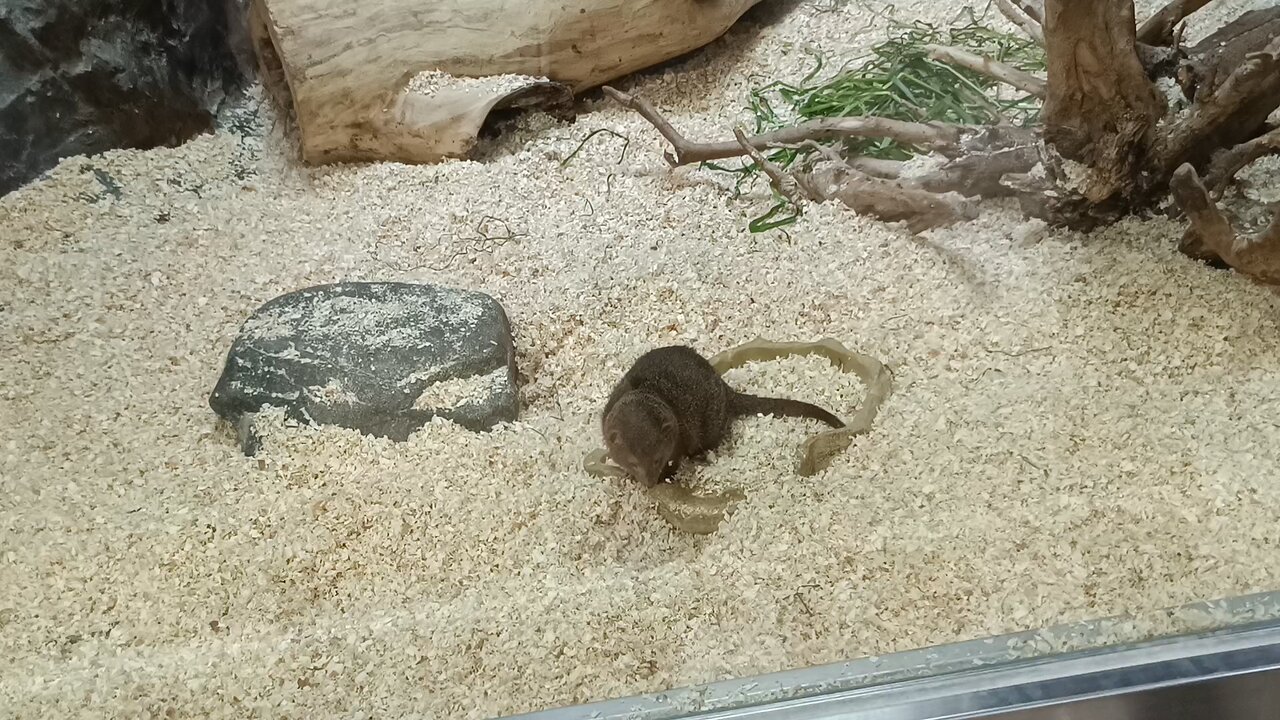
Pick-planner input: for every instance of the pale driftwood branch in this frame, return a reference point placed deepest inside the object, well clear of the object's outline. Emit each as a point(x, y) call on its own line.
point(868, 186)
point(1158, 29)
point(1229, 162)
point(887, 200)
point(781, 182)
point(993, 69)
point(1033, 8)
point(890, 201)
point(980, 175)
point(1229, 115)
point(876, 167)
point(1020, 17)
point(685, 151)
point(890, 170)
point(1257, 256)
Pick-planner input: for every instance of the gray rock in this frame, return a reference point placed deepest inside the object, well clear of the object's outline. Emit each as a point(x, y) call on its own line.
point(382, 358)
point(79, 77)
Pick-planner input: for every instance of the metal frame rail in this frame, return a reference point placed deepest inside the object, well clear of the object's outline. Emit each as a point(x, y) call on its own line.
point(1231, 673)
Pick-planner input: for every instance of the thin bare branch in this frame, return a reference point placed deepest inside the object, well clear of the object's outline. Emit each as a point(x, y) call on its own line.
point(1018, 16)
point(993, 69)
point(653, 117)
point(938, 136)
point(783, 183)
point(1159, 28)
point(1257, 256)
point(1229, 162)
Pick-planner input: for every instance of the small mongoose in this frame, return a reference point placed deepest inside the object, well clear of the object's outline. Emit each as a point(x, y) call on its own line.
point(672, 404)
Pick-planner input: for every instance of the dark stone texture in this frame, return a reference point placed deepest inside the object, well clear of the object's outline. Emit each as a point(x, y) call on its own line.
point(366, 355)
point(79, 77)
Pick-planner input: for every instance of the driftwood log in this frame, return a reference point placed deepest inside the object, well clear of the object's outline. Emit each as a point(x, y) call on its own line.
point(1113, 142)
point(345, 67)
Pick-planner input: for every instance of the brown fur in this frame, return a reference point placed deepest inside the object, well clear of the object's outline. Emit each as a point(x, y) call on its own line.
point(672, 404)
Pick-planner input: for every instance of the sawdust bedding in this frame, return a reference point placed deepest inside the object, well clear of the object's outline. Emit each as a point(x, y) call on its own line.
point(1081, 426)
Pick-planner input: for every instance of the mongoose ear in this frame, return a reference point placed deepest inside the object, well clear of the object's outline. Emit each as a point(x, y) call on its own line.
point(669, 425)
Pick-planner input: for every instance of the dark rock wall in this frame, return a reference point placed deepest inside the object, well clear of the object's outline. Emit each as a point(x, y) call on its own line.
point(83, 76)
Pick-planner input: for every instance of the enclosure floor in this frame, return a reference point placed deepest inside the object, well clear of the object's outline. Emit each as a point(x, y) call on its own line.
point(1081, 426)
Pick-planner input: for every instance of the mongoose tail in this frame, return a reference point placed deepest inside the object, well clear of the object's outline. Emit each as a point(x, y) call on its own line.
point(744, 404)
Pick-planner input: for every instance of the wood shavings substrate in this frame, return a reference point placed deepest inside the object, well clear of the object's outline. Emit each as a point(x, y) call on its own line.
point(1080, 427)
point(430, 82)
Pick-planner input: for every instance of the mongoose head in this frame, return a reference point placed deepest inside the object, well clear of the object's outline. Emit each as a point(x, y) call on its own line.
point(640, 434)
